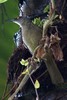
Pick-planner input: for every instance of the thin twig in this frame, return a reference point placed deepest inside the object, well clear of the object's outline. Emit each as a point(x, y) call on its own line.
point(63, 6)
point(24, 80)
point(37, 96)
point(44, 73)
point(48, 22)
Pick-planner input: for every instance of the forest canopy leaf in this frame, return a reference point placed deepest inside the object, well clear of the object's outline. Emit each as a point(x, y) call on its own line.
point(2, 1)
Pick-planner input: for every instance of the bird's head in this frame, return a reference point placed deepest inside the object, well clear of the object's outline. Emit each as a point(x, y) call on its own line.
point(21, 21)
point(18, 21)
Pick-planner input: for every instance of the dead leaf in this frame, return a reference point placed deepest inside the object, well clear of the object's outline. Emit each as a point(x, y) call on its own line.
point(57, 52)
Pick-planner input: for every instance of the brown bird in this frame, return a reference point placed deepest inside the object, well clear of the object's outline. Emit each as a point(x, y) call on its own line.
point(31, 33)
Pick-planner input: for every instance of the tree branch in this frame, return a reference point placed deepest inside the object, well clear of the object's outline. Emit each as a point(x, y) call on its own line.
point(54, 72)
point(48, 21)
point(31, 69)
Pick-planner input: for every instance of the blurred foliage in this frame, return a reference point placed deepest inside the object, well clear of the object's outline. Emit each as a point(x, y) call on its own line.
point(2, 1)
point(46, 9)
point(38, 22)
point(8, 10)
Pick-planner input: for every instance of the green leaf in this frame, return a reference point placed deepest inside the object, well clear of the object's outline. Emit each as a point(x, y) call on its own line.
point(37, 84)
point(46, 9)
point(24, 62)
point(56, 16)
point(38, 22)
point(25, 72)
point(2, 1)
